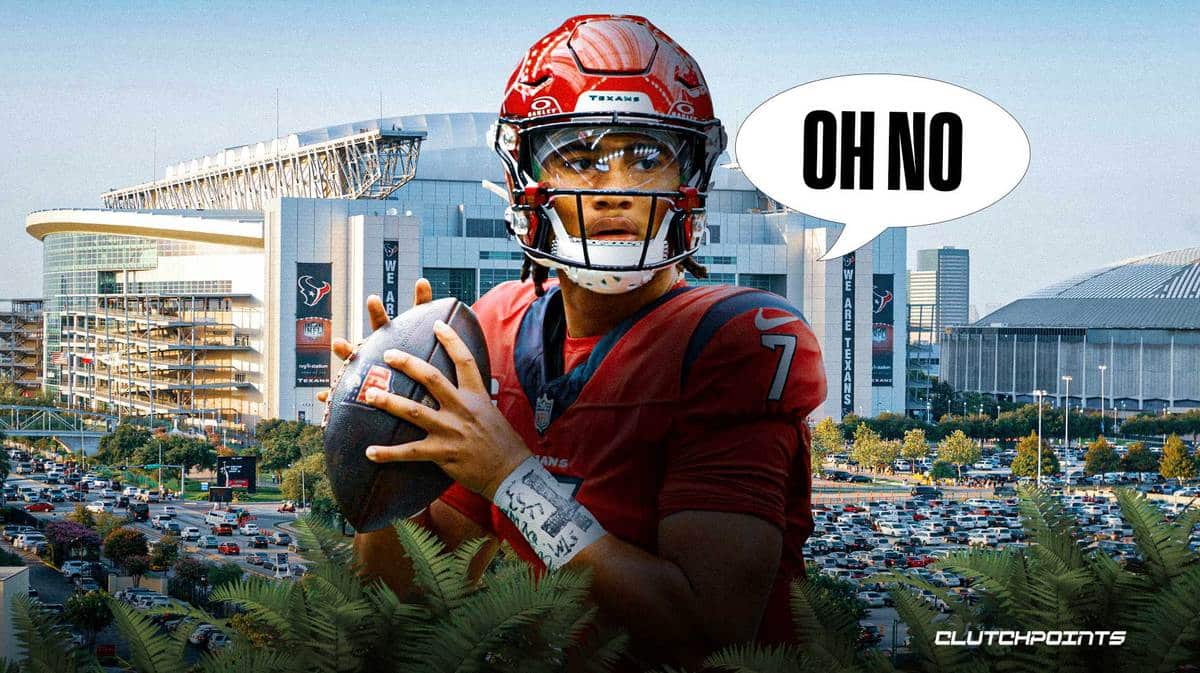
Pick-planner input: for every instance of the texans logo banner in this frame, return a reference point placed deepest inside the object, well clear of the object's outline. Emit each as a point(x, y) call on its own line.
point(314, 326)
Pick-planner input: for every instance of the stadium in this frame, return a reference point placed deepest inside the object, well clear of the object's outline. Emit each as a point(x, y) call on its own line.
point(209, 297)
point(1133, 327)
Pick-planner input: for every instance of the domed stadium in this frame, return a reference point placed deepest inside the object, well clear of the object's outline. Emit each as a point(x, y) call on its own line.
point(1133, 327)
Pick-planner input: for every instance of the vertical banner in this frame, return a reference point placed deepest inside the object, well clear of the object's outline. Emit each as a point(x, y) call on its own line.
point(391, 257)
point(883, 328)
point(848, 334)
point(313, 324)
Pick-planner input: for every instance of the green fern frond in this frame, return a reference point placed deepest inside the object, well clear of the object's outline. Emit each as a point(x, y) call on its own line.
point(999, 572)
point(45, 640)
point(601, 652)
point(1166, 555)
point(325, 545)
point(266, 600)
point(1047, 523)
point(828, 632)
point(1167, 634)
point(754, 658)
point(434, 572)
point(150, 651)
point(243, 658)
point(920, 618)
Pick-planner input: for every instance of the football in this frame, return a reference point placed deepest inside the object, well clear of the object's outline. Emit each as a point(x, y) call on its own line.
point(371, 495)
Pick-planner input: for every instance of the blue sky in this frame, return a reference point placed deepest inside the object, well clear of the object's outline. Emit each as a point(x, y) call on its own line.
point(1106, 93)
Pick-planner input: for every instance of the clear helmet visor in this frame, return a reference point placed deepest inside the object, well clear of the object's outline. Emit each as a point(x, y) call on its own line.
point(612, 158)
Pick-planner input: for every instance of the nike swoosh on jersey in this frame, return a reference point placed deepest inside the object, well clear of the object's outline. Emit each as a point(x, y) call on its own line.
point(763, 324)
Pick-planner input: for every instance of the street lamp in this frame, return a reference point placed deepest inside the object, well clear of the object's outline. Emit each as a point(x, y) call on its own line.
point(1039, 394)
point(1102, 368)
point(1067, 415)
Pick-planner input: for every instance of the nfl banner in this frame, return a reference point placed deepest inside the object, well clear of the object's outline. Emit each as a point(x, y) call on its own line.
point(313, 323)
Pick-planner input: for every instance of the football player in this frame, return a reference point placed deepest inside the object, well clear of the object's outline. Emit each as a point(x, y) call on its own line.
point(650, 431)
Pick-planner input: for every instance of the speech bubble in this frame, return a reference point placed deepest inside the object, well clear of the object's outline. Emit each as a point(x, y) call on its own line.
point(877, 151)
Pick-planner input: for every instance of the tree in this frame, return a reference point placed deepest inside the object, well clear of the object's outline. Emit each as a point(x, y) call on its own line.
point(283, 442)
point(843, 592)
point(310, 469)
point(89, 613)
point(69, 540)
point(1177, 461)
point(118, 446)
point(137, 566)
point(107, 522)
point(958, 450)
point(224, 573)
point(165, 553)
point(1139, 459)
point(866, 450)
point(826, 440)
point(941, 470)
point(1101, 457)
point(1026, 462)
point(4, 464)
point(82, 516)
point(915, 447)
point(123, 544)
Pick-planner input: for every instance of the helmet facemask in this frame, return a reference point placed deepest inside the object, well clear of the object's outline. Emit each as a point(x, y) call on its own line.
point(608, 204)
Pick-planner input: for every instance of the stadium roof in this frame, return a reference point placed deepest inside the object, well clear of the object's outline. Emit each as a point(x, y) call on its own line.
point(1160, 291)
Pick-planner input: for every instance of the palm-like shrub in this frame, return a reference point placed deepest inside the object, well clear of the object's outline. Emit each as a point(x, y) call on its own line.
point(512, 620)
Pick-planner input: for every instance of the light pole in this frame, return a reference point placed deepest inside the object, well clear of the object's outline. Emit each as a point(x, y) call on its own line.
point(1067, 415)
point(160, 484)
point(1102, 368)
point(1039, 394)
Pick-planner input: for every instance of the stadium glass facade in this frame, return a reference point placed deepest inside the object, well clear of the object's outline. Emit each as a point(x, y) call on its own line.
point(447, 228)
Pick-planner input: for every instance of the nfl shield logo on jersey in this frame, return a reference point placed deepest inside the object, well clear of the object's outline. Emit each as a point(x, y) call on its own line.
point(541, 415)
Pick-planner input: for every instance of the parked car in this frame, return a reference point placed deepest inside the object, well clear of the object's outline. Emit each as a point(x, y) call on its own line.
point(39, 507)
point(217, 641)
point(201, 633)
point(73, 568)
point(85, 584)
point(229, 548)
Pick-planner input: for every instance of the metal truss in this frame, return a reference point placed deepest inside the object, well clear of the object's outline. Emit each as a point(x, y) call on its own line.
point(368, 165)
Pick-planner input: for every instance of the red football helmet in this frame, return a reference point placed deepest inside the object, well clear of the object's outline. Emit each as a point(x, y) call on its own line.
point(607, 107)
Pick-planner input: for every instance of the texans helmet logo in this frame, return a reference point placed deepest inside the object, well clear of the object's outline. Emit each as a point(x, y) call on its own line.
point(882, 299)
point(390, 249)
point(311, 293)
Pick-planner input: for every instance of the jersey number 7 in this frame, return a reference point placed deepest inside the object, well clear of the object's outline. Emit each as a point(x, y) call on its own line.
point(786, 342)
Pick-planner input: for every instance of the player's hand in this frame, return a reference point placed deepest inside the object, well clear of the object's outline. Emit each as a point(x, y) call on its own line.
point(468, 436)
point(422, 293)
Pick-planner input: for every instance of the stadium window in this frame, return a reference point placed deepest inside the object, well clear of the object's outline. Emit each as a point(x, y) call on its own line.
point(478, 227)
point(514, 255)
point(458, 283)
point(771, 282)
point(490, 278)
point(713, 279)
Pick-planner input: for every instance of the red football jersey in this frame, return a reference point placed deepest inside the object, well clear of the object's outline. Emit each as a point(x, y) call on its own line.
point(696, 402)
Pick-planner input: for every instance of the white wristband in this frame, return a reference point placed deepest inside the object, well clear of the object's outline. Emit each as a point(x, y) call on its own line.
point(546, 513)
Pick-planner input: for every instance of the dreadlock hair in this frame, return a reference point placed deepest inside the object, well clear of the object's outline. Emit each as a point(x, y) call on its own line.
point(540, 274)
point(695, 268)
